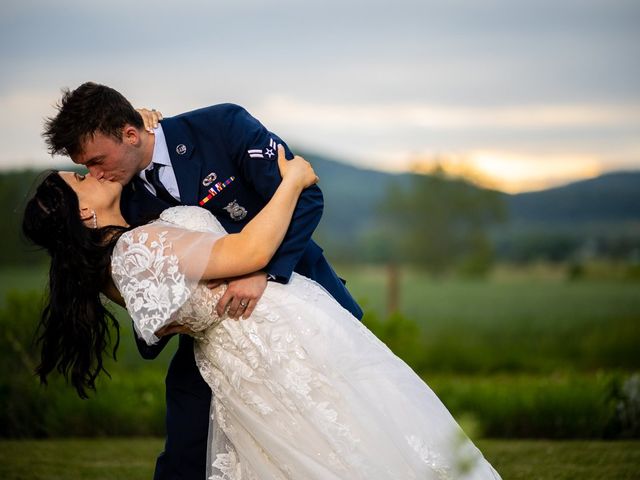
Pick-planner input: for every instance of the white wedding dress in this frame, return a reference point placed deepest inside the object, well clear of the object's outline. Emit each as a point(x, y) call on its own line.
point(301, 389)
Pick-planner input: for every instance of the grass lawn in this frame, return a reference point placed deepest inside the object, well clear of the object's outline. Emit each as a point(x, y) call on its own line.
point(133, 459)
point(21, 279)
point(95, 459)
point(499, 301)
point(563, 460)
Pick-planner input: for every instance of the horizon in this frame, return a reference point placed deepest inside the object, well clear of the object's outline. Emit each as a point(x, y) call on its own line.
point(525, 95)
point(454, 171)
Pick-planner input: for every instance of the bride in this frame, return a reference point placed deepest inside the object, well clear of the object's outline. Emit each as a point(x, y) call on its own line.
point(301, 389)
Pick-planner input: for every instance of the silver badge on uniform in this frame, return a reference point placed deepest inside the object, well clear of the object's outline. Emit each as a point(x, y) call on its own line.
point(181, 149)
point(236, 211)
point(209, 179)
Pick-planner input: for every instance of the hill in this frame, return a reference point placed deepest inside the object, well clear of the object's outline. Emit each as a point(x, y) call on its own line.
point(610, 198)
point(352, 195)
point(605, 207)
point(595, 217)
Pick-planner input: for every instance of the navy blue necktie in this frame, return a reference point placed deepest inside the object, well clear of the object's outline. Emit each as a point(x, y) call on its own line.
point(152, 176)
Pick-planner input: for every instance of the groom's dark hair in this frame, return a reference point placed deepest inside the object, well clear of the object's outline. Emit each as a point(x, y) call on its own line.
point(89, 109)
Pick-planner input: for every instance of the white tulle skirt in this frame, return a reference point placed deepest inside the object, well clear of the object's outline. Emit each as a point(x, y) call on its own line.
point(302, 390)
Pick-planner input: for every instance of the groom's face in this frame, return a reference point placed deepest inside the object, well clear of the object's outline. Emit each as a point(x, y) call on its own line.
point(107, 158)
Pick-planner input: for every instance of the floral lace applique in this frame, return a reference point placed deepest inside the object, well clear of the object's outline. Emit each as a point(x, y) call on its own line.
point(148, 273)
point(279, 379)
point(199, 312)
point(228, 465)
point(240, 360)
point(431, 458)
point(149, 280)
point(192, 218)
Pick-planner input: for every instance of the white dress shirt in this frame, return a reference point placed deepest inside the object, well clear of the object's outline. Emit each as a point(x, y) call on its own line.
point(162, 161)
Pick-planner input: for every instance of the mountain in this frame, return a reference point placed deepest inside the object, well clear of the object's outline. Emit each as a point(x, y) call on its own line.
point(606, 207)
point(352, 196)
point(599, 215)
point(610, 198)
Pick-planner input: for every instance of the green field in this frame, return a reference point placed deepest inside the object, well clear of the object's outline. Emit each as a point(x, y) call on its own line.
point(522, 354)
point(514, 321)
point(543, 300)
point(133, 459)
point(21, 279)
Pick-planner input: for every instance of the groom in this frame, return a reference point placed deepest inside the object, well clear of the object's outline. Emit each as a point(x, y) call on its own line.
point(222, 159)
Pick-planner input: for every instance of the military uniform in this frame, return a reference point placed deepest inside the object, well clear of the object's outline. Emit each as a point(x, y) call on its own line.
point(225, 161)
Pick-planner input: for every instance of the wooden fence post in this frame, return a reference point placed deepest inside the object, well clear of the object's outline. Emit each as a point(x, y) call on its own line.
point(393, 288)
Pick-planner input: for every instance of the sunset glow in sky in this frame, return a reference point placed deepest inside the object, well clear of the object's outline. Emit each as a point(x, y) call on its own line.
point(523, 94)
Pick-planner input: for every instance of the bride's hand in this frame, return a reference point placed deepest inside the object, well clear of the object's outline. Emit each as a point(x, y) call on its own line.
point(150, 118)
point(297, 170)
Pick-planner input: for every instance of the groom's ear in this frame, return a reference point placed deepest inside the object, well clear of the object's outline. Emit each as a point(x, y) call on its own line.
point(130, 135)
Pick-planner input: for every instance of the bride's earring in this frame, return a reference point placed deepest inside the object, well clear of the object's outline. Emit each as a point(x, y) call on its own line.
point(92, 218)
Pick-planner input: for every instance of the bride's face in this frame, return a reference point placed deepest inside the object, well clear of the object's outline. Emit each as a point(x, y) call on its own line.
point(93, 193)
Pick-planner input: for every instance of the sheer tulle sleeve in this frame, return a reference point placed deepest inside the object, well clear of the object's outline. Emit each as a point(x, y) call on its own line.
point(156, 269)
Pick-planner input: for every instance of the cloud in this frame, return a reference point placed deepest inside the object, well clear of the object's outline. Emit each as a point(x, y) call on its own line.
point(518, 171)
point(439, 117)
point(375, 84)
point(394, 136)
point(20, 127)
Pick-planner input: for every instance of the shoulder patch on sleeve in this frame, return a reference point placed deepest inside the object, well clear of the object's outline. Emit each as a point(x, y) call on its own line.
point(269, 151)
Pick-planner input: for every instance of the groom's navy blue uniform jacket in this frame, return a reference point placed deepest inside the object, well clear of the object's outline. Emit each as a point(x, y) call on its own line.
point(225, 161)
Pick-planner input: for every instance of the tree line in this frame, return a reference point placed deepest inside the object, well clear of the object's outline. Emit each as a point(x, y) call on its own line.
point(434, 222)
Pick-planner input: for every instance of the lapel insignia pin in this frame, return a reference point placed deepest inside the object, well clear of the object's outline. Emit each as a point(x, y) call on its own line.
point(181, 149)
point(209, 179)
point(236, 211)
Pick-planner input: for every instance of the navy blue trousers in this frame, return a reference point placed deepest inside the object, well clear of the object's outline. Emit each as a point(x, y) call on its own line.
point(188, 401)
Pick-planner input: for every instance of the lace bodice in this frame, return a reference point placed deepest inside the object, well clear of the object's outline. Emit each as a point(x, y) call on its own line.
point(157, 269)
point(193, 218)
point(301, 389)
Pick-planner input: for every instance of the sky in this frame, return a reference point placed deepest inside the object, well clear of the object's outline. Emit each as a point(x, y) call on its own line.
point(520, 94)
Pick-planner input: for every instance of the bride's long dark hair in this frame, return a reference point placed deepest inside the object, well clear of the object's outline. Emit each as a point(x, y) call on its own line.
point(74, 329)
